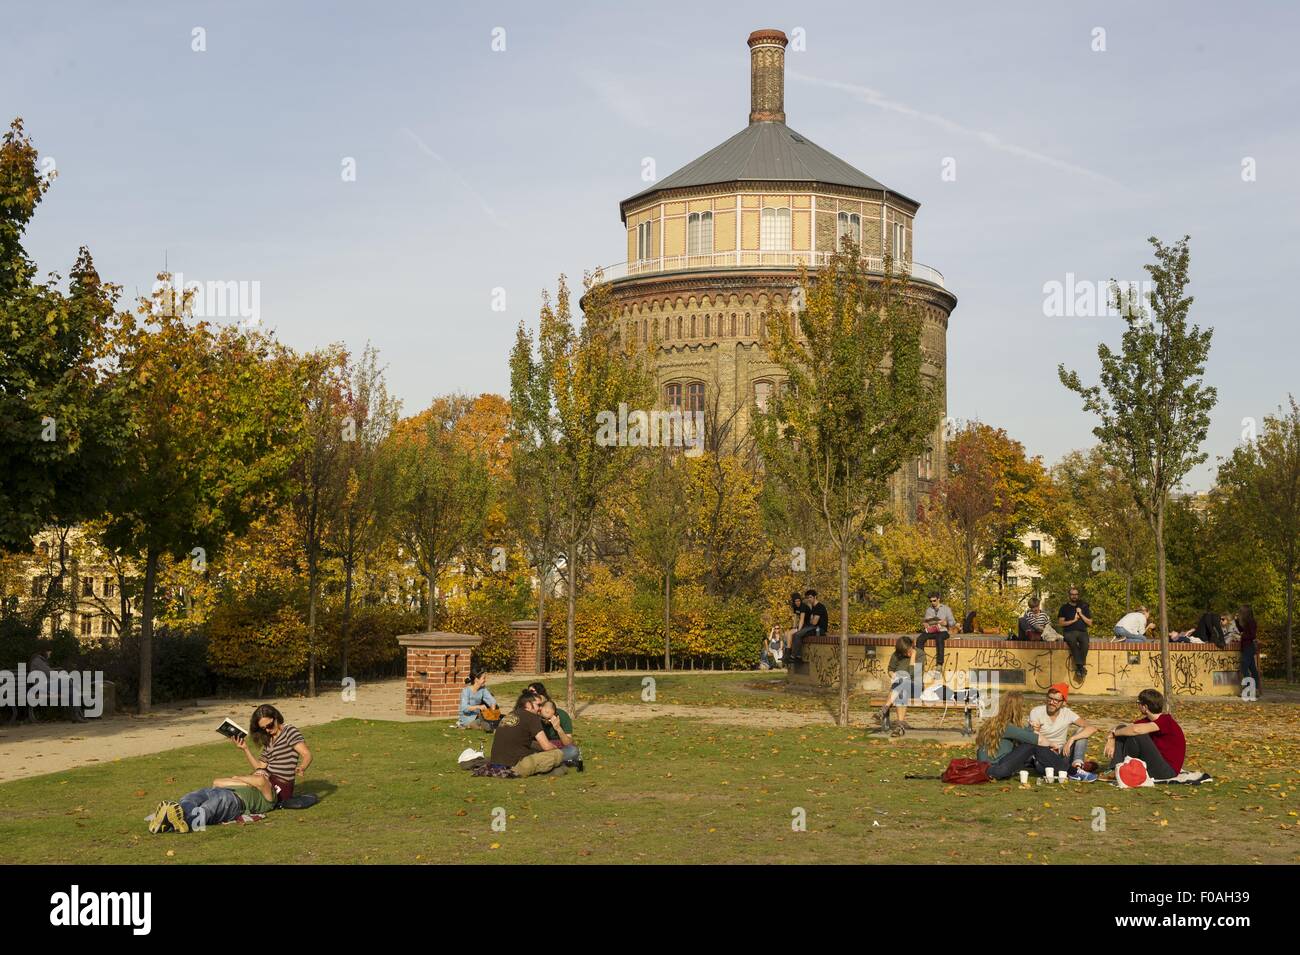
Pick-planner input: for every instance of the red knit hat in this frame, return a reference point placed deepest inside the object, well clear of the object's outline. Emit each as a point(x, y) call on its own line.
point(1063, 689)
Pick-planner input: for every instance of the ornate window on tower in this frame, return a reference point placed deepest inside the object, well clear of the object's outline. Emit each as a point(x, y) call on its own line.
point(774, 232)
point(763, 392)
point(899, 249)
point(850, 229)
point(699, 233)
point(644, 248)
point(673, 396)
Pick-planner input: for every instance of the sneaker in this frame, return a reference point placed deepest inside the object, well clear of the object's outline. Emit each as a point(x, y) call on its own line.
point(764, 666)
point(581, 768)
point(1080, 775)
point(176, 817)
point(158, 821)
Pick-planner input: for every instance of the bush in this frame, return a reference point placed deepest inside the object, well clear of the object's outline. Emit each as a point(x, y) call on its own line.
point(372, 637)
point(258, 637)
point(179, 665)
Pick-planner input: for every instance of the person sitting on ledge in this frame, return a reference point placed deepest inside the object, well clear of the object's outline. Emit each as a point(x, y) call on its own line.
point(1133, 626)
point(1062, 752)
point(1154, 737)
point(814, 625)
point(937, 623)
point(1033, 622)
point(476, 700)
point(520, 741)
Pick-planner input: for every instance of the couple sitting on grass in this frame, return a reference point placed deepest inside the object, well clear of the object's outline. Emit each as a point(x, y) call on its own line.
point(284, 756)
point(535, 737)
point(1056, 738)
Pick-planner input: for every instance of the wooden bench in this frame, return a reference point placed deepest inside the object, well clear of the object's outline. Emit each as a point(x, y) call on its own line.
point(968, 711)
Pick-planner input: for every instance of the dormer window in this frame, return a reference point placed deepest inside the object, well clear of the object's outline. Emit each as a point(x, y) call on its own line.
point(774, 234)
point(850, 228)
point(644, 250)
point(699, 233)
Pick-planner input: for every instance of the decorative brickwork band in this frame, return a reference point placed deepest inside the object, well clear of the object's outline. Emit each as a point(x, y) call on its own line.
point(436, 667)
point(767, 76)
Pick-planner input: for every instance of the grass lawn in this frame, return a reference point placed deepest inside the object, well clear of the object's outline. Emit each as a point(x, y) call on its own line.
point(681, 790)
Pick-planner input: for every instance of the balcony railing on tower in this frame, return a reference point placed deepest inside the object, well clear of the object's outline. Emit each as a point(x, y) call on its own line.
point(749, 259)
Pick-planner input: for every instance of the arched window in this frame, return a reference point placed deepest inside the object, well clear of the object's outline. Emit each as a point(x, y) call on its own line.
point(707, 322)
point(699, 233)
point(692, 326)
point(733, 324)
point(645, 329)
point(774, 233)
point(764, 389)
point(679, 326)
point(748, 333)
point(695, 396)
point(673, 396)
point(850, 228)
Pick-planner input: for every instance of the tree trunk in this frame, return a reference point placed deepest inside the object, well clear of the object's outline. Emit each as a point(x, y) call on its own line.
point(541, 616)
point(844, 635)
point(347, 618)
point(668, 619)
point(1290, 617)
point(1164, 605)
point(428, 610)
point(571, 558)
point(312, 578)
point(146, 630)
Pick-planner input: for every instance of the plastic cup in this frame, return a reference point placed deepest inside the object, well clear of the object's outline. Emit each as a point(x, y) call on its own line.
point(1050, 773)
point(1024, 777)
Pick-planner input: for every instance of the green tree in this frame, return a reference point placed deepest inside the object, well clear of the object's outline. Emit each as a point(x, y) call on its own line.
point(62, 420)
point(659, 523)
point(589, 377)
point(857, 406)
point(1153, 405)
point(1263, 476)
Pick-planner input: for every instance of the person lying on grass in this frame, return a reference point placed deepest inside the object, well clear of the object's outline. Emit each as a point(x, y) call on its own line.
point(283, 758)
point(520, 740)
point(209, 807)
point(1154, 737)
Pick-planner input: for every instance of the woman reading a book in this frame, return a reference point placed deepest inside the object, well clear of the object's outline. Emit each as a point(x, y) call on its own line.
point(284, 755)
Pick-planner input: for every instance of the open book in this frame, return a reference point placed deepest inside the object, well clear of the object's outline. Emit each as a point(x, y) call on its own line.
point(231, 729)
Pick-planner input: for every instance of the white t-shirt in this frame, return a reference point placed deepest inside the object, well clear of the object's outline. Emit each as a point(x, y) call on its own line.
point(1135, 622)
point(1056, 730)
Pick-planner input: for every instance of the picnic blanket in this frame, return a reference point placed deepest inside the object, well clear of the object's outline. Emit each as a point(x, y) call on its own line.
point(494, 770)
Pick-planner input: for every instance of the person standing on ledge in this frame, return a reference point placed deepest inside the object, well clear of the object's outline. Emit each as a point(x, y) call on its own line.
point(1075, 618)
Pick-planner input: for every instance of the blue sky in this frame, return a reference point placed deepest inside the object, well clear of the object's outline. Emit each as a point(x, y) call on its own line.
point(479, 170)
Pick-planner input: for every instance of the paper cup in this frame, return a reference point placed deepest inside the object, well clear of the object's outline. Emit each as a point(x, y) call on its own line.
point(1024, 777)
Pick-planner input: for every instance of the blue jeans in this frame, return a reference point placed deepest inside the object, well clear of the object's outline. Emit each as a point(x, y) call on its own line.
point(1045, 757)
point(1250, 664)
point(571, 753)
point(210, 807)
point(1128, 635)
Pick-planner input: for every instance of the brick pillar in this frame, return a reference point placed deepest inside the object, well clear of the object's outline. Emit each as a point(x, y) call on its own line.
point(523, 635)
point(436, 667)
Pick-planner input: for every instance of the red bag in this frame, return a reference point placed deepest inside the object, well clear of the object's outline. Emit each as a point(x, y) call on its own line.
point(966, 771)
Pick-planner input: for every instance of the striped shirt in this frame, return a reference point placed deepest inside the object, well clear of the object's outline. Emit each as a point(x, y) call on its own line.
point(280, 757)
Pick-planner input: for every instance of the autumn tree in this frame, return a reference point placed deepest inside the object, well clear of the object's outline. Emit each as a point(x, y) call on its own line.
point(360, 524)
point(440, 494)
point(215, 420)
point(1152, 403)
point(858, 404)
point(1263, 478)
point(659, 524)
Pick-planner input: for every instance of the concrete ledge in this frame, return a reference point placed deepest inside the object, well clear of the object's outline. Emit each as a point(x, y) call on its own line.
point(439, 639)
